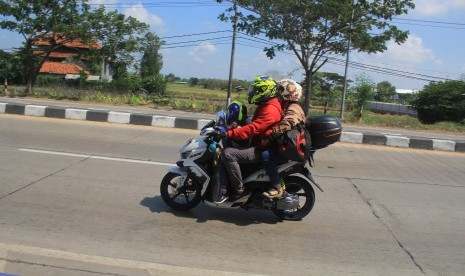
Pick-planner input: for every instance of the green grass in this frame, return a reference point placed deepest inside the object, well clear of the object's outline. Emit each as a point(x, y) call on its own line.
point(198, 92)
point(391, 121)
point(407, 122)
point(186, 90)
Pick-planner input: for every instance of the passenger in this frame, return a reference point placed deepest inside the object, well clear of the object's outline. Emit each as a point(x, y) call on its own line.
point(236, 117)
point(262, 93)
point(289, 94)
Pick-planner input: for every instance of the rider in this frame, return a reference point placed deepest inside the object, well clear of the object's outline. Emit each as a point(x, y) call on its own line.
point(289, 94)
point(236, 117)
point(262, 93)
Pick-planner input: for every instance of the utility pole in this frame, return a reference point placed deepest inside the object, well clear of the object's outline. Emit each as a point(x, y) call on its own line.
point(233, 48)
point(344, 90)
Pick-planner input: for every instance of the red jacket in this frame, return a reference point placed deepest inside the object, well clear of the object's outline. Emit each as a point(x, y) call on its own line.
point(265, 117)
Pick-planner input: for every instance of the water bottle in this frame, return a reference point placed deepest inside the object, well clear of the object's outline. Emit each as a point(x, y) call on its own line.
point(212, 146)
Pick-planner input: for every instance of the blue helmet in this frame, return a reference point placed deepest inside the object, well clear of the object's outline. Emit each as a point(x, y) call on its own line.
point(237, 113)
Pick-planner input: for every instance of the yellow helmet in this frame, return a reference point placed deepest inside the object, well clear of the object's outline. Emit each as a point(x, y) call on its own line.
point(262, 89)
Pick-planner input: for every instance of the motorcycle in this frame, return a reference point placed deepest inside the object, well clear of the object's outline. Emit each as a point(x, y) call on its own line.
point(195, 178)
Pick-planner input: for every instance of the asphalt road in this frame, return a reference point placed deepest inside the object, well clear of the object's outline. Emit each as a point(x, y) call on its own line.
point(82, 198)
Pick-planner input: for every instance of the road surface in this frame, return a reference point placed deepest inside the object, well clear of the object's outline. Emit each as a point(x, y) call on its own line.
point(82, 198)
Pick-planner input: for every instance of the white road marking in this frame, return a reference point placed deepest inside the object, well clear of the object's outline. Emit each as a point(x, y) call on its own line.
point(150, 268)
point(98, 157)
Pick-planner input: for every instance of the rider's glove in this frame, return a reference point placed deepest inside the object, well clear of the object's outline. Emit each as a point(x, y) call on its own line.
point(220, 132)
point(222, 129)
point(265, 142)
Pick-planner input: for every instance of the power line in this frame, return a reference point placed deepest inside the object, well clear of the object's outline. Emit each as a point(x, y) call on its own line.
point(340, 62)
point(408, 67)
point(264, 41)
point(430, 21)
point(431, 26)
point(186, 35)
point(170, 4)
point(373, 68)
point(335, 61)
point(396, 70)
point(193, 45)
point(388, 71)
point(198, 40)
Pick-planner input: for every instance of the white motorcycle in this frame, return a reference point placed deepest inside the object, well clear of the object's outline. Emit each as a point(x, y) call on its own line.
point(195, 178)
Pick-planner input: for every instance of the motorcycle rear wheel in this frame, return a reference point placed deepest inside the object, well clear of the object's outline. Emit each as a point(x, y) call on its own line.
point(300, 187)
point(183, 199)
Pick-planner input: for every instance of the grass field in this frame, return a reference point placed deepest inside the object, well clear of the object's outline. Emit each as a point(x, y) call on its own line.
point(187, 91)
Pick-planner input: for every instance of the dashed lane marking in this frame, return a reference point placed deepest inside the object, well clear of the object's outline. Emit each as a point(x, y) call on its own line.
point(107, 158)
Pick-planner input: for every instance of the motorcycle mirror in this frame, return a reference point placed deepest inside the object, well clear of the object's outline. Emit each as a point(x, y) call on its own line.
point(206, 131)
point(221, 118)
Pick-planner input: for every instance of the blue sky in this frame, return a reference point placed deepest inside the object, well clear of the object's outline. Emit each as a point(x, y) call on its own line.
point(199, 45)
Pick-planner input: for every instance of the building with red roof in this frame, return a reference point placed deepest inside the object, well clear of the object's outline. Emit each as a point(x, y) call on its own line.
point(61, 62)
point(61, 68)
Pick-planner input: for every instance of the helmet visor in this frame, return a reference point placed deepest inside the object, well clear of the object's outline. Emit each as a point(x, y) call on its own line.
point(251, 91)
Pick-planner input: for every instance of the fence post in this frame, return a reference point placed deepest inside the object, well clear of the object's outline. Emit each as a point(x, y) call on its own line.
point(5, 87)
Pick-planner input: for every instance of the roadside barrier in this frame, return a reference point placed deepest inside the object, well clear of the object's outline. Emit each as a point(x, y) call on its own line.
point(197, 124)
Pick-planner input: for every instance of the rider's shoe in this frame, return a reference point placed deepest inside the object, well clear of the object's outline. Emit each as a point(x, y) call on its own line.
point(237, 194)
point(274, 193)
point(221, 198)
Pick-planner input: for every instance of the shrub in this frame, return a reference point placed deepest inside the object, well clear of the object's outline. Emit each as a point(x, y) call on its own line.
point(154, 85)
point(443, 101)
point(160, 100)
point(363, 92)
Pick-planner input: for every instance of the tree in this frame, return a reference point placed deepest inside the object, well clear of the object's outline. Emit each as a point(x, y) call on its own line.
point(11, 68)
point(326, 86)
point(59, 22)
point(363, 92)
point(152, 60)
point(443, 101)
point(171, 77)
point(313, 30)
point(193, 81)
point(119, 35)
point(384, 91)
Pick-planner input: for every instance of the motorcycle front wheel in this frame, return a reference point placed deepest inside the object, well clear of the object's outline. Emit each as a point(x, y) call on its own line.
point(300, 187)
point(182, 199)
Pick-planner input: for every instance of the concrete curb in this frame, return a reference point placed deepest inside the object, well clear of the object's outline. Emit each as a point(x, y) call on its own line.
point(190, 123)
point(102, 116)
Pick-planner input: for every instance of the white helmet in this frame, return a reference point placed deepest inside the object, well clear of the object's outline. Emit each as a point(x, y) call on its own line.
point(290, 90)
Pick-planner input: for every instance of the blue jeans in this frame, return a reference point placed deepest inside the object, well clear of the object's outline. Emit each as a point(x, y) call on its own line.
point(270, 159)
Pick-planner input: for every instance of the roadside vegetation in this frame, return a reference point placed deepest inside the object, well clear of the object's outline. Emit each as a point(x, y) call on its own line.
point(183, 96)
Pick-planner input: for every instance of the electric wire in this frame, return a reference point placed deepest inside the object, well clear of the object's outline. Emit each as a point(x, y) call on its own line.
point(252, 43)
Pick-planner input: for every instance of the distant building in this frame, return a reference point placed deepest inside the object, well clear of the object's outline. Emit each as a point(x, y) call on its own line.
point(403, 91)
point(61, 61)
point(407, 91)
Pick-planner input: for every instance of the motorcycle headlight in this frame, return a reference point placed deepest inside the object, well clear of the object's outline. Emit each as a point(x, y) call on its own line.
point(185, 154)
